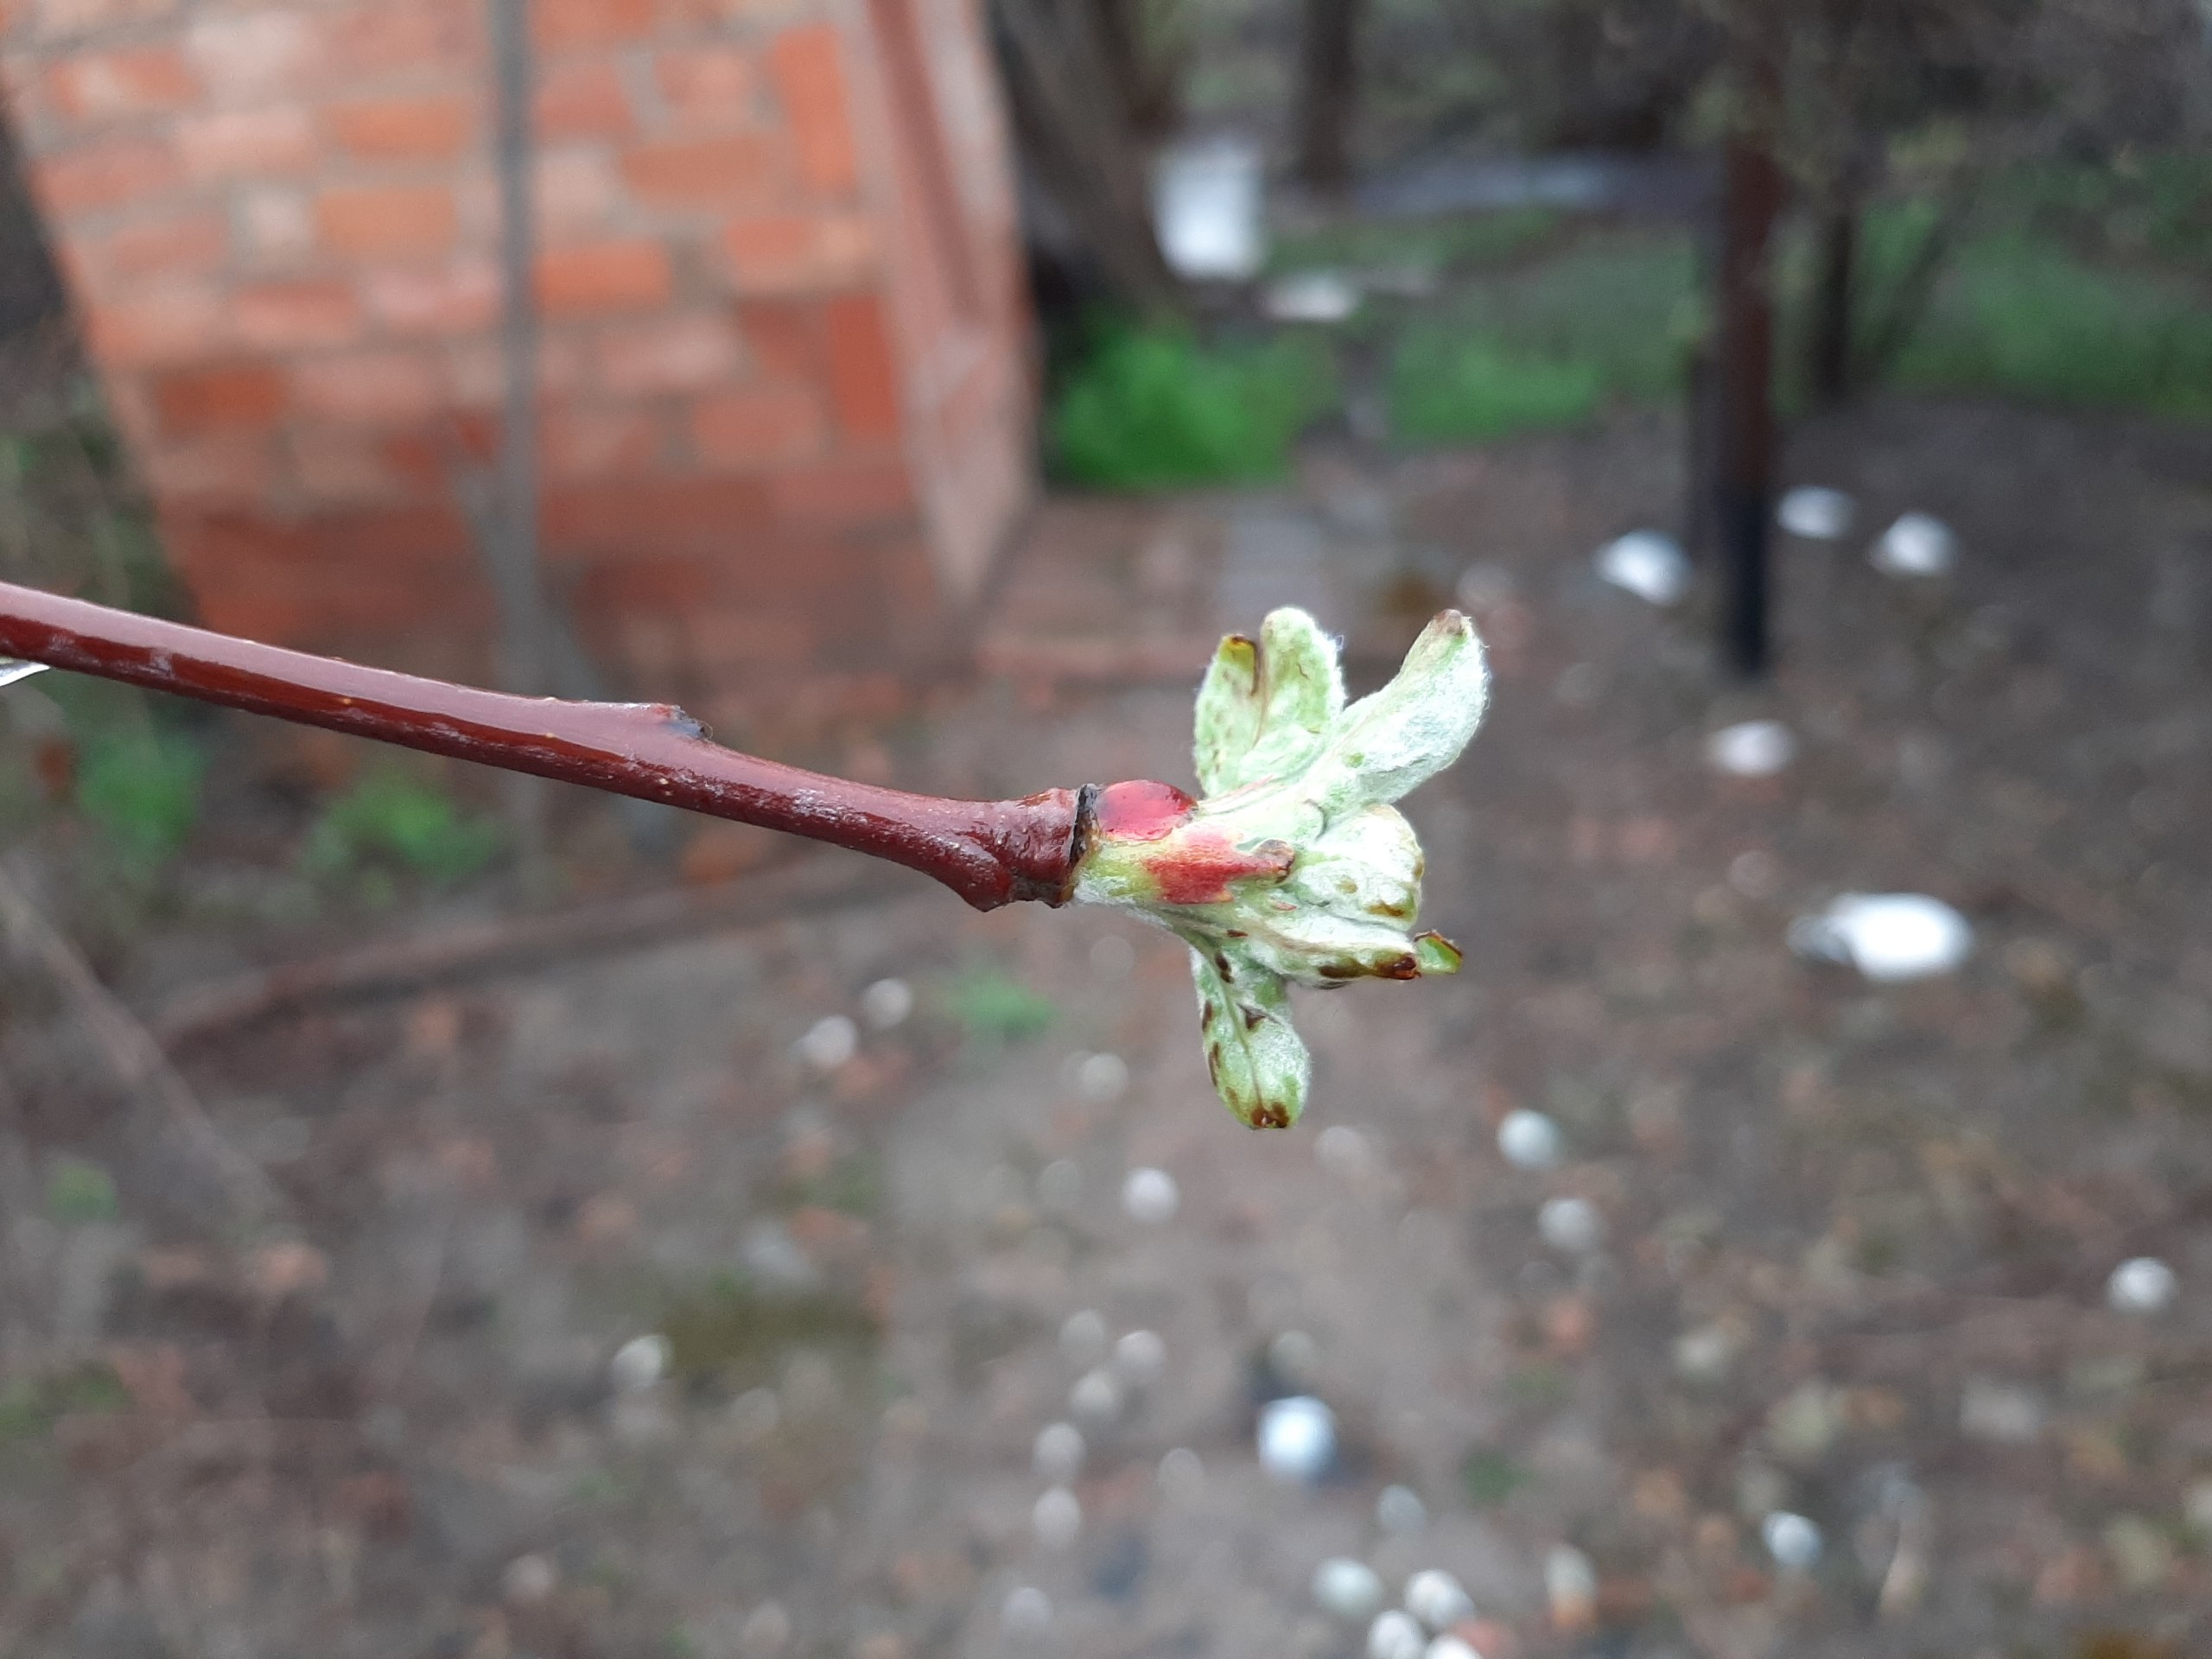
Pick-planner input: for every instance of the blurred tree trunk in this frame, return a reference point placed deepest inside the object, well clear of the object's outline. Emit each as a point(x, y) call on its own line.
point(1750, 201)
point(1328, 86)
point(1834, 302)
point(1074, 121)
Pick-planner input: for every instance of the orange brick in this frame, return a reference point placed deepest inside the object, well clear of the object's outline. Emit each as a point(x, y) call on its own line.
point(111, 173)
point(232, 396)
point(808, 64)
point(561, 25)
point(583, 100)
point(604, 276)
point(758, 426)
point(843, 495)
point(795, 253)
point(182, 244)
point(268, 54)
point(441, 300)
point(599, 442)
point(337, 465)
point(784, 337)
point(403, 129)
point(709, 84)
point(863, 373)
point(222, 466)
point(371, 387)
point(379, 36)
point(369, 219)
point(173, 323)
point(59, 18)
point(728, 171)
point(114, 85)
point(675, 353)
point(276, 142)
point(286, 316)
point(577, 190)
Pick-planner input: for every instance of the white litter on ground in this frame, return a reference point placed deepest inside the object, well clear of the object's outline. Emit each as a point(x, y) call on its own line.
point(638, 1363)
point(1817, 514)
point(1917, 545)
point(1793, 1542)
point(1888, 936)
point(1438, 1599)
point(1311, 296)
point(1395, 1635)
point(2144, 1285)
point(1572, 1225)
point(1647, 563)
point(1151, 1196)
point(1751, 748)
point(1528, 1140)
point(1348, 1589)
point(830, 1042)
point(886, 1003)
point(1298, 1438)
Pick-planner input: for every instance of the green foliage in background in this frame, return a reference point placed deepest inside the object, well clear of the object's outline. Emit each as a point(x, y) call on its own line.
point(28, 1406)
point(78, 1190)
point(1442, 246)
point(2156, 207)
point(392, 820)
point(1147, 408)
point(141, 785)
point(996, 1008)
point(1543, 348)
point(2033, 320)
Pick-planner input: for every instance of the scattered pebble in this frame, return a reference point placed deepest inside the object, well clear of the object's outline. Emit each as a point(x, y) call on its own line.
point(1298, 1438)
point(1706, 1354)
point(1793, 1542)
point(1096, 1397)
point(1344, 1153)
point(1057, 1455)
point(1400, 1510)
point(1570, 1588)
point(1817, 514)
point(1917, 545)
point(1082, 1337)
point(1346, 1589)
point(1101, 1078)
point(1395, 1635)
point(1311, 296)
point(1529, 1140)
point(1028, 1612)
point(2005, 1413)
point(767, 1631)
point(1805, 1422)
point(2144, 1285)
point(1751, 748)
point(1057, 1518)
point(1437, 1599)
point(1572, 1225)
point(638, 1363)
point(1448, 1646)
point(1888, 936)
point(886, 1003)
point(529, 1579)
point(1151, 1196)
point(1295, 1357)
point(774, 1257)
point(1755, 873)
point(1181, 1473)
point(830, 1042)
point(1059, 1186)
point(1647, 565)
point(1140, 1357)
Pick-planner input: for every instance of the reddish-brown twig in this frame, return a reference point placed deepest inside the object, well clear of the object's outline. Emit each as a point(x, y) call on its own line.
point(990, 852)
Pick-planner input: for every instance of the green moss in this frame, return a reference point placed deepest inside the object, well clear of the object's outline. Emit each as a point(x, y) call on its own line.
point(78, 1190)
point(142, 787)
point(1443, 246)
point(729, 1334)
point(996, 1008)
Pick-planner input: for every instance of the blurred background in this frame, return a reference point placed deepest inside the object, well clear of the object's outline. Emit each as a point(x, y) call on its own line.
point(444, 1217)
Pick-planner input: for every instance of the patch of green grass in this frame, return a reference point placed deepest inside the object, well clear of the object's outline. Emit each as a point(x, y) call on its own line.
point(391, 819)
point(1544, 347)
point(141, 785)
point(28, 1406)
point(996, 1008)
point(1442, 246)
point(1447, 385)
point(2156, 205)
point(79, 1191)
point(2031, 319)
point(1156, 409)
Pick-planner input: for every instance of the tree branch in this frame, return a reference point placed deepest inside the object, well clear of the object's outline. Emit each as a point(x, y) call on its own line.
point(990, 852)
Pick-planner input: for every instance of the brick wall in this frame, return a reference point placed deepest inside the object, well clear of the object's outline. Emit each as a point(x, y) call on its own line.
point(785, 390)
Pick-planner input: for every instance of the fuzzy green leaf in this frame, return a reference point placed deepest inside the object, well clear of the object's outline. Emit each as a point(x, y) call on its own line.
point(1260, 1066)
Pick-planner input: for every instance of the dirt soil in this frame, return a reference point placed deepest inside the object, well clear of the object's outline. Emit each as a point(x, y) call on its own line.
point(1855, 1238)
